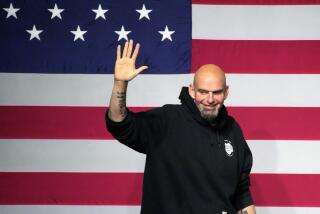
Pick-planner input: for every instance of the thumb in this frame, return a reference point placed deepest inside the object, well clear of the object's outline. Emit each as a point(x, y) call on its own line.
point(142, 68)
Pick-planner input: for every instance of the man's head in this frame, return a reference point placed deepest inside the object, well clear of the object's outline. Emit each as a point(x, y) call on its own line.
point(209, 90)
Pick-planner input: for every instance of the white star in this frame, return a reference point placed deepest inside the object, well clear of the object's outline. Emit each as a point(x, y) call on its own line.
point(144, 12)
point(34, 33)
point(100, 12)
point(122, 33)
point(166, 34)
point(78, 34)
point(56, 12)
point(11, 11)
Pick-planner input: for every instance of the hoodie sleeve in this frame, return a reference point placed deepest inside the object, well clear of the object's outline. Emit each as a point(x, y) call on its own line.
point(243, 196)
point(139, 131)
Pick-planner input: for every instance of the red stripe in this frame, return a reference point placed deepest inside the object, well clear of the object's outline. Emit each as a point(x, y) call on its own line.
point(262, 123)
point(256, 56)
point(53, 122)
point(125, 189)
point(71, 188)
point(257, 2)
point(286, 190)
point(57, 122)
point(278, 123)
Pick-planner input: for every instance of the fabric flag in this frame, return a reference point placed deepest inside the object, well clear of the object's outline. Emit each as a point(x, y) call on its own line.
point(56, 68)
point(64, 37)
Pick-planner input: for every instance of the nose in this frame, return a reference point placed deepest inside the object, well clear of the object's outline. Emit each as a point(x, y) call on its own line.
point(210, 97)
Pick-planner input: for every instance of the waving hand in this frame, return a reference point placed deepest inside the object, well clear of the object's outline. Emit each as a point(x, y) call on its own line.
point(125, 68)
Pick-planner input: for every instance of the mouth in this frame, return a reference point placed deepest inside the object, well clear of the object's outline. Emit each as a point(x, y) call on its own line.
point(210, 108)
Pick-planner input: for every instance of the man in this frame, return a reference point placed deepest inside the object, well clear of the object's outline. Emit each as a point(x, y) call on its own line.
point(197, 159)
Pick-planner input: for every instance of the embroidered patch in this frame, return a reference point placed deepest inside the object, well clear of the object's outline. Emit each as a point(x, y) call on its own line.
point(229, 148)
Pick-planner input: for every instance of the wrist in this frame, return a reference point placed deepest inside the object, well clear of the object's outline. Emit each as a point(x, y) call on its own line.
point(120, 83)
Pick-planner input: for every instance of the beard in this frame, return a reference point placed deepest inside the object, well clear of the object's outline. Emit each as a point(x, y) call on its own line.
point(210, 115)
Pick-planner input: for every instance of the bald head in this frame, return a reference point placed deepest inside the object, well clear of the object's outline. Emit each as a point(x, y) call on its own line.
point(209, 90)
point(209, 73)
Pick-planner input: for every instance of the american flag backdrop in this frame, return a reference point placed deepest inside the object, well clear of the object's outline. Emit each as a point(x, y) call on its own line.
point(56, 65)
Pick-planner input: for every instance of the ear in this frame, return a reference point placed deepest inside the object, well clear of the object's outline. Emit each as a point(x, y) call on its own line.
point(192, 92)
point(226, 93)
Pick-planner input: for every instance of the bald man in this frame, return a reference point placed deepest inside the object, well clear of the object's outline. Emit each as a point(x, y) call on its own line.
point(197, 160)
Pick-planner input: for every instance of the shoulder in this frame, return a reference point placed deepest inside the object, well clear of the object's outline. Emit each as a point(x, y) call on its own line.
point(172, 107)
point(165, 109)
point(157, 114)
point(233, 125)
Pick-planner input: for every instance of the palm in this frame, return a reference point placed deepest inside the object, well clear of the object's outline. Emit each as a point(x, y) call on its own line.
point(125, 69)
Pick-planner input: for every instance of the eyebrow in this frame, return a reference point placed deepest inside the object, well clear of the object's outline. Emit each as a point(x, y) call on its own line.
point(214, 92)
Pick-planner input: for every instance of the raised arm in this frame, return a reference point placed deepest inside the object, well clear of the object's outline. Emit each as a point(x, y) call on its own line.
point(124, 71)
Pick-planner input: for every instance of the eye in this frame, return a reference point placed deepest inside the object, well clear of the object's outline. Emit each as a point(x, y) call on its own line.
point(217, 92)
point(203, 92)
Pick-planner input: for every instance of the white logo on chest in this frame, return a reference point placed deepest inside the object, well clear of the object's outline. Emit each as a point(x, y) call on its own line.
point(229, 148)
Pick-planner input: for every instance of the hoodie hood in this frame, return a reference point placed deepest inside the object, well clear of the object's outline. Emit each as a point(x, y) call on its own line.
point(188, 102)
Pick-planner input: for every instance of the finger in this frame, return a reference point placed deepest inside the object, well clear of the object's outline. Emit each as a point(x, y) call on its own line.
point(135, 52)
point(125, 50)
point(130, 48)
point(118, 52)
point(142, 68)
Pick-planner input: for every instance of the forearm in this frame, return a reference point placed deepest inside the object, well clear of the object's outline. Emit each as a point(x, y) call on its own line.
point(124, 71)
point(247, 210)
point(117, 107)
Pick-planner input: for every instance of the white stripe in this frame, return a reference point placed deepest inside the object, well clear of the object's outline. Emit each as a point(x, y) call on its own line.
point(288, 210)
point(270, 156)
point(47, 209)
point(273, 90)
point(281, 156)
point(256, 22)
point(36, 209)
point(68, 156)
point(155, 90)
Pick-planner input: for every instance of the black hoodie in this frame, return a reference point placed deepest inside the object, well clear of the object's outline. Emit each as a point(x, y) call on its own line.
point(192, 166)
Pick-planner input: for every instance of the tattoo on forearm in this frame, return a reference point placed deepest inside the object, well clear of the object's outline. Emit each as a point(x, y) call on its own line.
point(244, 212)
point(121, 95)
